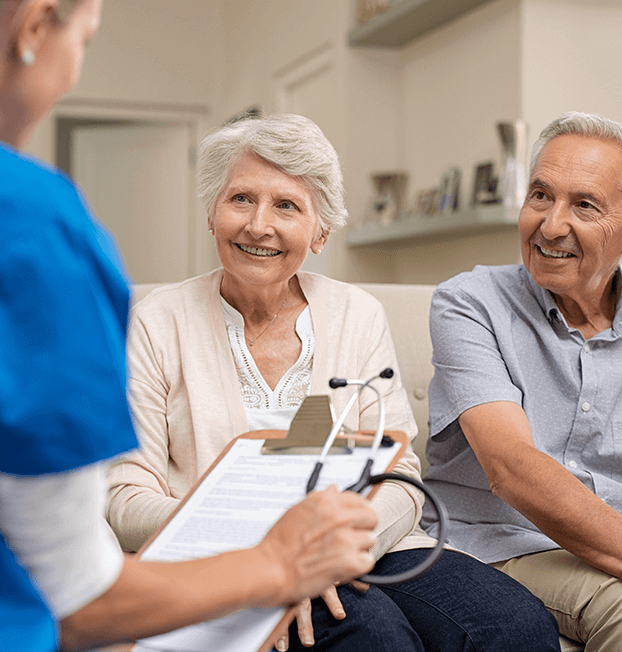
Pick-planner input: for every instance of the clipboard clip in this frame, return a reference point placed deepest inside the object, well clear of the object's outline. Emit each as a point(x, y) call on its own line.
point(308, 431)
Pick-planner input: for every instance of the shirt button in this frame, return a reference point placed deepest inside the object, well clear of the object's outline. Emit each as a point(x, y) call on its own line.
point(573, 465)
point(585, 406)
point(420, 393)
point(586, 348)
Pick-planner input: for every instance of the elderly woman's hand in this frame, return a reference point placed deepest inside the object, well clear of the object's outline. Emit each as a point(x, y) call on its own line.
point(303, 616)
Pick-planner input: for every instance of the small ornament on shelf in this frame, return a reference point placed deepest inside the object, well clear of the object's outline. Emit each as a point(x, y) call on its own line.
point(386, 205)
point(442, 199)
point(485, 185)
point(427, 202)
point(368, 9)
point(449, 191)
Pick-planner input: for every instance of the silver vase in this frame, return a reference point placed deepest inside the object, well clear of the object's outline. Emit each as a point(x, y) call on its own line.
point(513, 184)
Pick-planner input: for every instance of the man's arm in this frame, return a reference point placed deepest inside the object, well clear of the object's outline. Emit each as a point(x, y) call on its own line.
point(323, 540)
point(541, 489)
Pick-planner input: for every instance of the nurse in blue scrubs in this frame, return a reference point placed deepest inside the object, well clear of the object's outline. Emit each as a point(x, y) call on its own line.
point(63, 315)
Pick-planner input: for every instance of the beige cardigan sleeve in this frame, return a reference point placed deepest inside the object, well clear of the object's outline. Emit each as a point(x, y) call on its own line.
point(139, 497)
point(185, 400)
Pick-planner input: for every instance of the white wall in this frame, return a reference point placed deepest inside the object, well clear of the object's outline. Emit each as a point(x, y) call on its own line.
point(421, 109)
point(150, 54)
point(266, 40)
point(156, 51)
point(456, 84)
point(373, 132)
point(571, 59)
point(507, 59)
point(432, 104)
point(154, 59)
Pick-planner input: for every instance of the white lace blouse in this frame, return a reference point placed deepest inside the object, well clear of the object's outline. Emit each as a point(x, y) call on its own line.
point(267, 408)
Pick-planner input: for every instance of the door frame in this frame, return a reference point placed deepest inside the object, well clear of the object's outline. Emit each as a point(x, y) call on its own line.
point(202, 255)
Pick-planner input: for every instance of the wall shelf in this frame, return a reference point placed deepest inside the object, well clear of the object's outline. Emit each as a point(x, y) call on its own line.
point(406, 20)
point(469, 221)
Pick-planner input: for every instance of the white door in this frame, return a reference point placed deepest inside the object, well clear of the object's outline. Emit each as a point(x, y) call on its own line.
point(138, 180)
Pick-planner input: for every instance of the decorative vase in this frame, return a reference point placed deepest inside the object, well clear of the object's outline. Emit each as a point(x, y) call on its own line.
point(514, 170)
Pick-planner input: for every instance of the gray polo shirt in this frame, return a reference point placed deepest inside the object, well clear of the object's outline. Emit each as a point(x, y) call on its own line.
point(497, 336)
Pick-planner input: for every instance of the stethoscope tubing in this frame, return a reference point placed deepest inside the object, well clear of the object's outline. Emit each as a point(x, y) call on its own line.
point(367, 479)
point(437, 551)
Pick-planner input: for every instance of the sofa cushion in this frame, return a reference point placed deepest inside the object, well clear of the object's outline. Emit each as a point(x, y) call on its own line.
point(408, 310)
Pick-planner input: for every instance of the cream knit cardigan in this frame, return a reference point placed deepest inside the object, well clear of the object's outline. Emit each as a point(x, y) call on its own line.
point(188, 406)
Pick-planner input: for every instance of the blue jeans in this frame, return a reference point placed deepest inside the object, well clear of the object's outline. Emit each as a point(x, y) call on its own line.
point(459, 605)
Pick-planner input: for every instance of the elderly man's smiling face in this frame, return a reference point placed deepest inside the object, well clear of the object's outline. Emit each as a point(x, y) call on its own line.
point(571, 222)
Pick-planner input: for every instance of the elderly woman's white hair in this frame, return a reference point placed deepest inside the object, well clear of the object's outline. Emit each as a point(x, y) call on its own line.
point(291, 142)
point(582, 124)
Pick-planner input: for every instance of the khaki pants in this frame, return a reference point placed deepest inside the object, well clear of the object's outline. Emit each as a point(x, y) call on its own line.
point(586, 602)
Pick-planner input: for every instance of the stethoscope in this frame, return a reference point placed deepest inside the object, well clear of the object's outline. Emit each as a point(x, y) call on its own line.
point(366, 479)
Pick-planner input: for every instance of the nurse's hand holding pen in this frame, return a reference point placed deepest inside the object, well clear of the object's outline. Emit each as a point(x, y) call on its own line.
point(322, 541)
point(344, 550)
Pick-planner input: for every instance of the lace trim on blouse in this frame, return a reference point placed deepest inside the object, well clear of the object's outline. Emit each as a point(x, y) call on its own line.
point(293, 387)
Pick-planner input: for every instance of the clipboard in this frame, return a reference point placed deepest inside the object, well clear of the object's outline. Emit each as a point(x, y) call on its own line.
point(209, 489)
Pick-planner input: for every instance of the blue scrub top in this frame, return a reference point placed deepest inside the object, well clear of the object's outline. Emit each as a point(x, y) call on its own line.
point(64, 305)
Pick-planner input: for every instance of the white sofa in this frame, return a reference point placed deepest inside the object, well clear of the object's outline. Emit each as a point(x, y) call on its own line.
point(408, 309)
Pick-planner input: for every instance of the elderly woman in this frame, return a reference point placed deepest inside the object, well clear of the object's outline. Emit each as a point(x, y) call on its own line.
point(240, 348)
point(64, 582)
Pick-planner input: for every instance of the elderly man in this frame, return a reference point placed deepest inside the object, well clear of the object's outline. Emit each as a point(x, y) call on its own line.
point(526, 400)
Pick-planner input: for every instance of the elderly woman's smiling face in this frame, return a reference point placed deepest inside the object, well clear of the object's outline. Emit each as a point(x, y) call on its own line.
point(264, 222)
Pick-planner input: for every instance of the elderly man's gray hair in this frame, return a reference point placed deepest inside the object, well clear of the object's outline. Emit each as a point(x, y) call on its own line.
point(291, 142)
point(582, 124)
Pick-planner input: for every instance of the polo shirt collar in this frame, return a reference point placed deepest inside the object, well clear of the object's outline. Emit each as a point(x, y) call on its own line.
point(543, 297)
point(549, 305)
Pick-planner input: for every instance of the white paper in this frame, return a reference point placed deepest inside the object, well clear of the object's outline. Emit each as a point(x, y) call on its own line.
point(233, 508)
